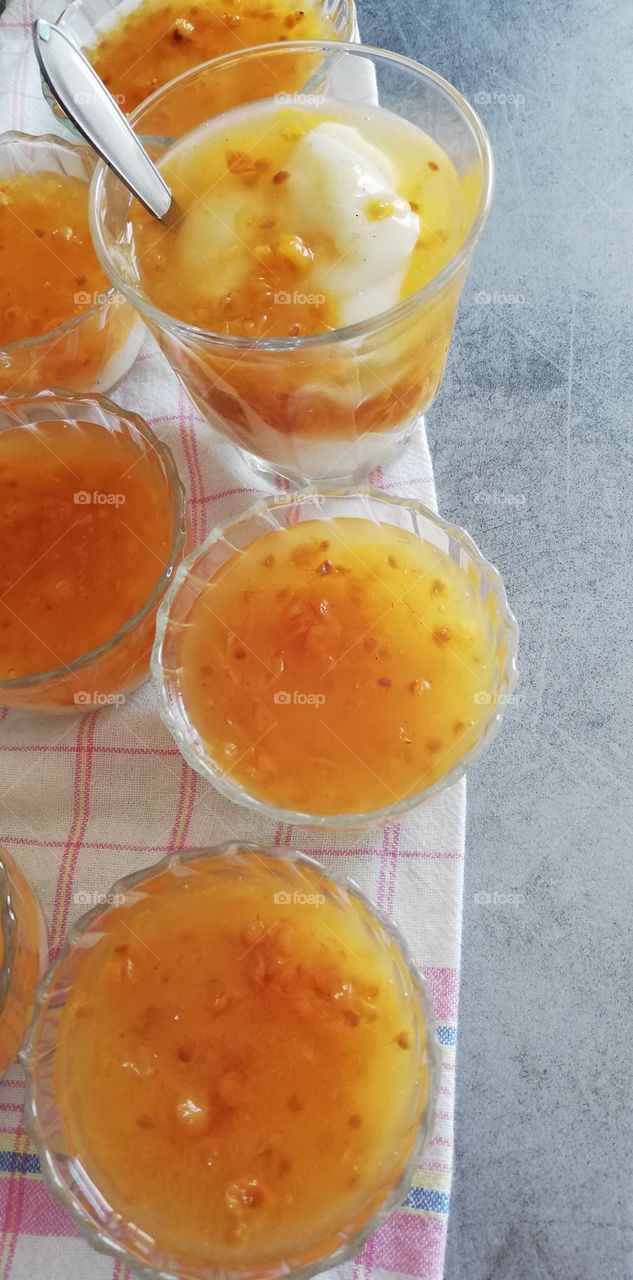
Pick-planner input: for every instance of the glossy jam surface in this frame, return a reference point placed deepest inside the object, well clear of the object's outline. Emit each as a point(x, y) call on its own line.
point(155, 41)
point(337, 666)
point(48, 268)
point(289, 216)
point(50, 277)
point(86, 525)
point(241, 1062)
point(21, 964)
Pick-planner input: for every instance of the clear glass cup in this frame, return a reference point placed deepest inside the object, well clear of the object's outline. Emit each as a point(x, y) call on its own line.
point(277, 514)
point(90, 351)
point(382, 1187)
point(23, 955)
point(104, 675)
point(327, 406)
point(86, 20)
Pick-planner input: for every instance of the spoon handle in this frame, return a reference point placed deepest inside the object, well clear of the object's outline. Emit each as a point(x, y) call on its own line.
point(92, 109)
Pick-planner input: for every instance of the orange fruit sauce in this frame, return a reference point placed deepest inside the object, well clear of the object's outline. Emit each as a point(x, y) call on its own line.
point(337, 666)
point(223, 1062)
point(86, 526)
point(155, 41)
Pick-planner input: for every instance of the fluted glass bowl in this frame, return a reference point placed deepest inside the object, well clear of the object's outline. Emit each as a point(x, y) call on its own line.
point(103, 675)
point(384, 1186)
point(285, 512)
point(90, 351)
point(85, 21)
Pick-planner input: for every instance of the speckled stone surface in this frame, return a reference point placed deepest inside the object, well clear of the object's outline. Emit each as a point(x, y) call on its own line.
point(532, 445)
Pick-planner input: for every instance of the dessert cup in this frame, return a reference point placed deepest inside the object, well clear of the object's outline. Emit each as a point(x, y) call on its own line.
point(281, 515)
point(85, 20)
point(90, 351)
point(380, 1185)
point(329, 405)
point(102, 675)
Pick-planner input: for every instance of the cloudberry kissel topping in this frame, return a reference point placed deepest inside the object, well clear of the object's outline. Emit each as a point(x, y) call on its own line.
point(337, 682)
point(49, 271)
point(86, 526)
point(157, 40)
point(225, 1056)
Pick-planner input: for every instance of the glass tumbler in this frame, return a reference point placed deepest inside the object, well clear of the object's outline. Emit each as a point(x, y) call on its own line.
point(329, 405)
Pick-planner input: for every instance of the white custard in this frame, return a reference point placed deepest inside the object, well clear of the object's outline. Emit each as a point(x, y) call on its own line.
point(336, 177)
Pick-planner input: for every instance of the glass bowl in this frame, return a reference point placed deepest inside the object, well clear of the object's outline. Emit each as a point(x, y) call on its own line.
point(23, 954)
point(104, 675)
point(387, 1178)
point(325, 406)
point(286, 512)
point(86, 20)
point(90, 351)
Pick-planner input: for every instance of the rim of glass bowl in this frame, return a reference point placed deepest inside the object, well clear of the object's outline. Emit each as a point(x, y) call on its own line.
point(8, 931)
point(44, 142)
point(65, 20)
point(178, 722)
point(100, 1238)
point(362, 327)
point(28, 405)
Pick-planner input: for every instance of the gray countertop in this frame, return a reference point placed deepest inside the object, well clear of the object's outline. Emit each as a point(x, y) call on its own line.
point(532, 447)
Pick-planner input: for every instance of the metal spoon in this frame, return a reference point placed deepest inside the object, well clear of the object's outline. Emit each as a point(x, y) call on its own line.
point(83, 96)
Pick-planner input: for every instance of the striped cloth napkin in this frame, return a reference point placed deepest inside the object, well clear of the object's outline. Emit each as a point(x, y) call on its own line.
point(84, 800)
